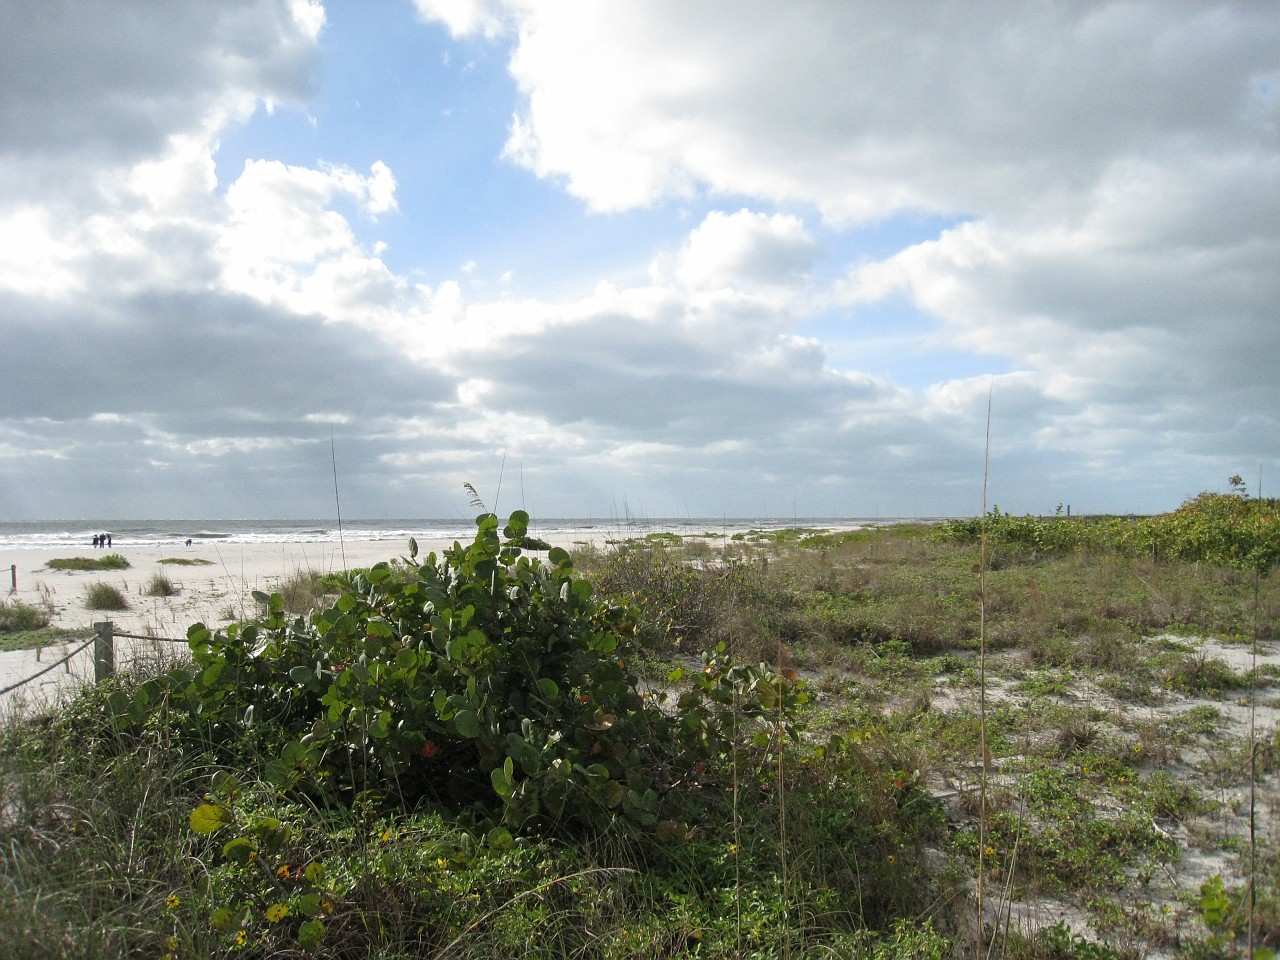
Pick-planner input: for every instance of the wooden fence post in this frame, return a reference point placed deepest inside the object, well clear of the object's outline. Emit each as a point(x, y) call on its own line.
point(104, 651)
point(13, 572)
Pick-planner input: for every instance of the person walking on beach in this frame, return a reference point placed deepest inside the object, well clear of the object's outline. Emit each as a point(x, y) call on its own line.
point(95, 539)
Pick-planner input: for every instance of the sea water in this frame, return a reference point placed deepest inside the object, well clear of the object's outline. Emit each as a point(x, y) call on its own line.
point(45, 534)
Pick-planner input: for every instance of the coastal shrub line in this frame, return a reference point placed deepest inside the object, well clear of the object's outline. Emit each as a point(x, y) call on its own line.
point(1217, 528)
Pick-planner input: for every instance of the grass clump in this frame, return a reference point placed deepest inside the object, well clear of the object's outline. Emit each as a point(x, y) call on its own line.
point(16, 615)
point(112, 561)
point(160, 586)
point(105, 596)
point(185, 561)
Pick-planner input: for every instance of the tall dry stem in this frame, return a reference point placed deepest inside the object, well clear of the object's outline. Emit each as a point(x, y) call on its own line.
point(982, 684)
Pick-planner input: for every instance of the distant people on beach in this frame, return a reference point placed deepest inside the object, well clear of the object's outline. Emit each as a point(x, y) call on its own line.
point(97, 541)
point(102, 539)
point(188, 541)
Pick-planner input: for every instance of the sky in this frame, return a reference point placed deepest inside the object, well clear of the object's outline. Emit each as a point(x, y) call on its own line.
point(276, 258)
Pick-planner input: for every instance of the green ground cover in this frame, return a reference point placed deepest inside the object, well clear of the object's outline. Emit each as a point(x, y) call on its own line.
point(813, 744)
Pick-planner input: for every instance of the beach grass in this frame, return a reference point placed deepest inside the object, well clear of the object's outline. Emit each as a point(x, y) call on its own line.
point(185, 561)
point(105, 596)
point(18, 616)
point(112, 561)
point(160, 586)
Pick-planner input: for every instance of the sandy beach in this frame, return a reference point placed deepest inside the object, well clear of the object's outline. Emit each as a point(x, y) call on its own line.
point(214, 592)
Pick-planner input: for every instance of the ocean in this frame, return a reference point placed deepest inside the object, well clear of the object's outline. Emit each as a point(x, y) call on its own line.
point(43, 534)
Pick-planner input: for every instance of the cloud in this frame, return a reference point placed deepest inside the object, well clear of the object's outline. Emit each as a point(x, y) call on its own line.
point(1075, 210)
point(1111, 171)
point(746, 249)
point(465, 17)
point(112, 84)
point(867, 109)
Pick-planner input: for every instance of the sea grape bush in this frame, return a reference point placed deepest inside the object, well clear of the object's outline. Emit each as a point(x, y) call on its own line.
point(484, 678)
point(1227, 529)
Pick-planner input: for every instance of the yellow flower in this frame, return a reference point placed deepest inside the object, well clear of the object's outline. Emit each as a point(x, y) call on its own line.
point(171, 944)
point(172, 900)
point(733, 849)
point(891, 859)
point(990, 851)
point(241, 937)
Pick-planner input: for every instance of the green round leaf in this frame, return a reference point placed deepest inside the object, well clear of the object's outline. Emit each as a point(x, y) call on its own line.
point(310, 934)
point(548, 688)
point(501, 781)
point(517, 525)
point(239, 850)
point(209, 817)
point(467, 724)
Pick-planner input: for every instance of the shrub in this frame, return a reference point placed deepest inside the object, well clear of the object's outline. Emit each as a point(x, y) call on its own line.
point(1217, 528)
point(104, 596)
point(482, 678)
point(16, 615)
point(673, 599)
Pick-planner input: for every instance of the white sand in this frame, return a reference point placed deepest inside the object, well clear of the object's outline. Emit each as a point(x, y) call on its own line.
point(212, 593)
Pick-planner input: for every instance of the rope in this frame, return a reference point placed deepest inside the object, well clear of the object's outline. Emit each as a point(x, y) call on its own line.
point(130, 636)
point(139, 636)
point(15, 686)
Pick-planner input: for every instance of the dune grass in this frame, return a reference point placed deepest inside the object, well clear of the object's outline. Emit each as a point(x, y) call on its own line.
point(105, 596)
point(16, 615)
point(112, 561)
point(160, 586)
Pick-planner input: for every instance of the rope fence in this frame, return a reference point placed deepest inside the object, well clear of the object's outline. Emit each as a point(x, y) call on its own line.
point(104, 654)
point(37, 676)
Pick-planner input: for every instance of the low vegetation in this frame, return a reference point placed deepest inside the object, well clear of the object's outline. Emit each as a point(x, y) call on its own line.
point(105, 596)
point(757, 747)
point(160, 586)
point(185, 561)
point(112, 561)
point(15, 615)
